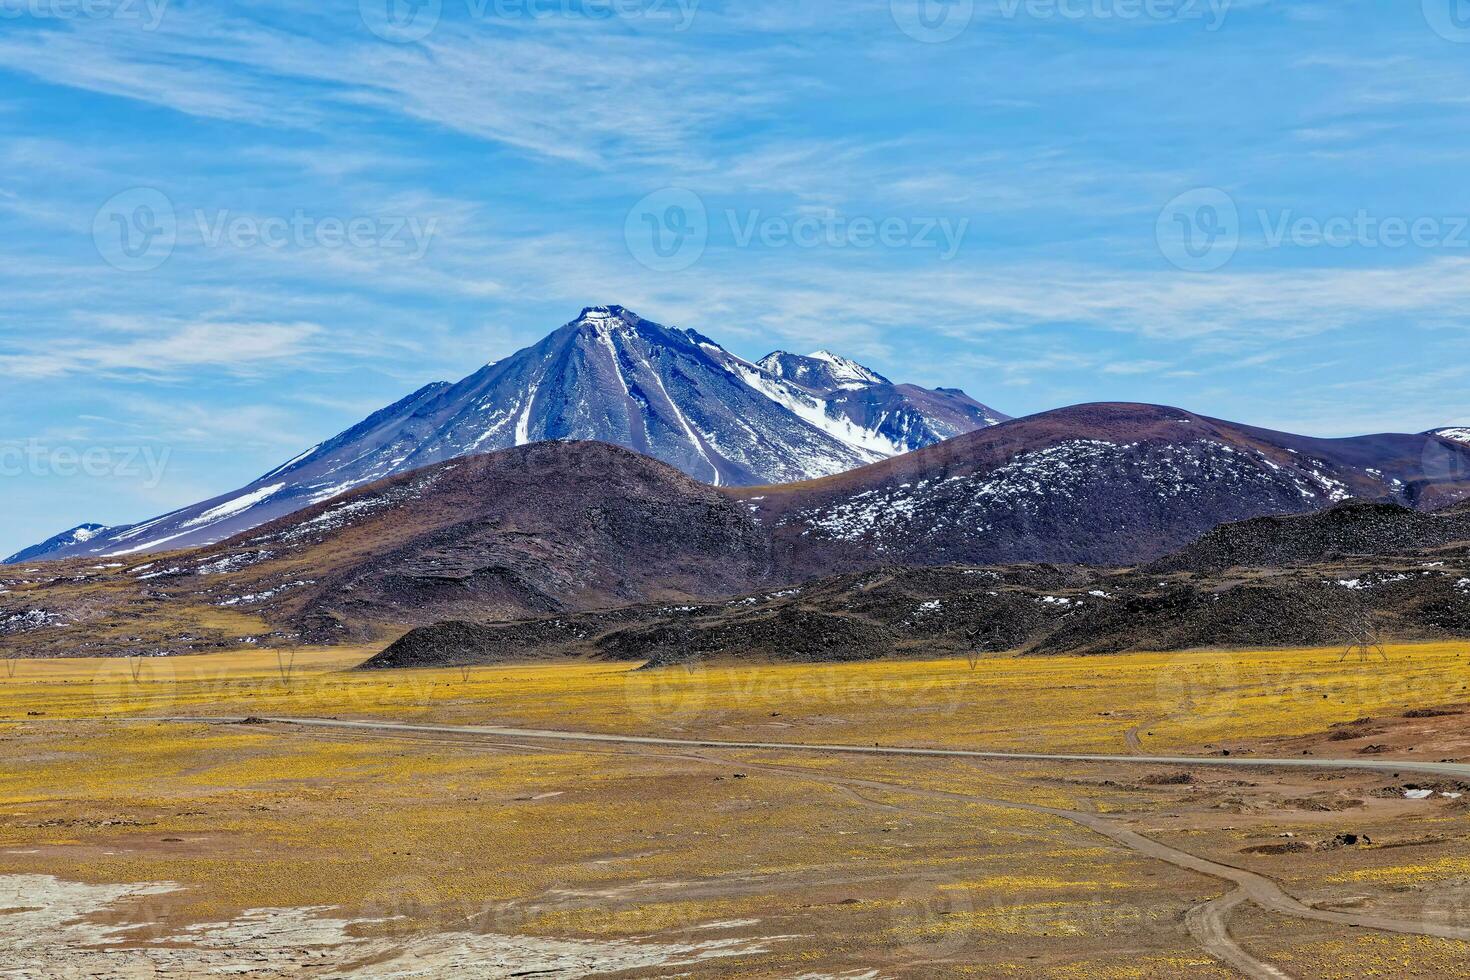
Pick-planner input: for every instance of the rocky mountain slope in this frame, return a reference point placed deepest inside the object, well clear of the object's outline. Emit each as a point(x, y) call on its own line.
point(1454, 434)
point(1342, 533)
point(610, 376)
point(1110, 484)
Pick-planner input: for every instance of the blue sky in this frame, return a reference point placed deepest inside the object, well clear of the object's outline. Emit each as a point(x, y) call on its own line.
point(329, 204)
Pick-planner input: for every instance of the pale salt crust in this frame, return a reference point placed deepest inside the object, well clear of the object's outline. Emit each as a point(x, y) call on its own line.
point(45, 932)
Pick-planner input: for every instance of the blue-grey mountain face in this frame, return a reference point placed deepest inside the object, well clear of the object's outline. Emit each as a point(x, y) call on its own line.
point(892, 419)
point(609, 376)
point(66, 539)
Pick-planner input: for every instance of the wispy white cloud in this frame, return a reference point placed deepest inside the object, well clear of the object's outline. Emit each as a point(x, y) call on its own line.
point(233, 348)
point(631, 98)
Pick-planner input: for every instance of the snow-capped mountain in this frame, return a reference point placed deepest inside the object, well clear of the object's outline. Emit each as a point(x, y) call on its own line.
point(822, 371)
point(608, 376)
point(80, 534)
point(887, 418)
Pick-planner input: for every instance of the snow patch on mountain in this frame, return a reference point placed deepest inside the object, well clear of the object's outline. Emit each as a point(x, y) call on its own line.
point(231, 507)
point(813, 411)
point(80, 534)
point(1042, 480)
point(848, 372)
point(1459, 434)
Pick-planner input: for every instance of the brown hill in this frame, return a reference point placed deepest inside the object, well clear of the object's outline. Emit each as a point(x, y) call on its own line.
point(1110, 484)
point(543, 528)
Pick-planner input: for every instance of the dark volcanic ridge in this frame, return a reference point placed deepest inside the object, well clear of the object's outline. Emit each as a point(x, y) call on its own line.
point(546, 527)
point(1343, 532)
point(946, 612)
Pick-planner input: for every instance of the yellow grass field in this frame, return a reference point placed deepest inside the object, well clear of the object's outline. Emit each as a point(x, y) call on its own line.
point(1057, 704)
point(188, 847)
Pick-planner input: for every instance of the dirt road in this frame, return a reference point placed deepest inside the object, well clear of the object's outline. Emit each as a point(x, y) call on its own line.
point(1444, 769)
point(1209, 923)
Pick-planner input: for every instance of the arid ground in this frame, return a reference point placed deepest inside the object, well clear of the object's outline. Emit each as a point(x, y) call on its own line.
point(135, 842)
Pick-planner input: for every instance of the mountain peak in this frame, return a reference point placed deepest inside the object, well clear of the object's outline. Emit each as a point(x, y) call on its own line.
point(610, 376)
point(822, 370)
point(847, 368)
point(604, 314)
